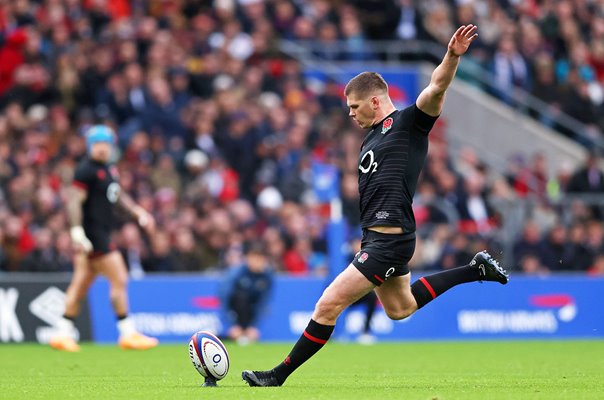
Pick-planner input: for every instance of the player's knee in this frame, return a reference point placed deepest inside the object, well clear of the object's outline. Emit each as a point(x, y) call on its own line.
point(327, 310)
point(117, 288)
point(399, 313)
point(119, 282)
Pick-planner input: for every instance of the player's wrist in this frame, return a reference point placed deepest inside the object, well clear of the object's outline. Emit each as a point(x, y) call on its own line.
point(452, 53)
point(142, 216)
point(78, 236)
point(77, 231)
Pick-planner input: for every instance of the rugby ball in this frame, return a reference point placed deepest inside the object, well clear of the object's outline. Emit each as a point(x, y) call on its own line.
point(208, 355)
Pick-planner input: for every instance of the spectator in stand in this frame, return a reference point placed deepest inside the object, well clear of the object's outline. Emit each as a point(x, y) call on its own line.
point(159, 258)
point(11, 54)
point(45, 257)
point(530, 265)
point(582, 258)
point(475, 212)
point(595, 238)
point(589, 178)
point(529, 243)
point(458, 248)
point(509, 69)
point(577, 102)
point(275, 248)
point(556, 251)
point(597, 268)
point(409, 26)
point(175, 78)
point(187, 256)
point(353, 37)
point(17, 243)
point(545, 87)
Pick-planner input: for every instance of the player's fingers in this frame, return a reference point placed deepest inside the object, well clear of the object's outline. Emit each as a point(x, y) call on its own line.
point(474, 36)
point(470, 30)
point(459, 31)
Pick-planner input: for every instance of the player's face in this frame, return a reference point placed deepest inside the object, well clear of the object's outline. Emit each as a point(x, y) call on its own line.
point(361, 110)
point(101, 151)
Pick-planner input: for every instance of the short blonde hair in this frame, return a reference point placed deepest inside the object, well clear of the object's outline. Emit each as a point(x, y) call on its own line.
point(366, 84)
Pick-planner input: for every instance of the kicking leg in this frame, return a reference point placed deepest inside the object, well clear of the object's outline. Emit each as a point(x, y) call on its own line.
point(482, 268)
point(347, 288)
point(396, 297)
point(400, 299)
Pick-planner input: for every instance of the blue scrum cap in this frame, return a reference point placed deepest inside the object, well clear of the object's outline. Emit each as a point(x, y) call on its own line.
point(99, 133)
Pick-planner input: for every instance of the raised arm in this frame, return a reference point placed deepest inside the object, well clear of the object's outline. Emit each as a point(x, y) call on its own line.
point(431, 99)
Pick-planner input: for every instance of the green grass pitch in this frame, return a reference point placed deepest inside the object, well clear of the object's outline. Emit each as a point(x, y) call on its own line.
point(425, 370)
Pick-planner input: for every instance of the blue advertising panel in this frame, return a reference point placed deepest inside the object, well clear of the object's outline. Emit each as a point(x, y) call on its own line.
point(170, 308)
point(173, 308)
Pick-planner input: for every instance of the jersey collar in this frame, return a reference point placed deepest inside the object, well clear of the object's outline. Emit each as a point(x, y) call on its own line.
point(383, 119)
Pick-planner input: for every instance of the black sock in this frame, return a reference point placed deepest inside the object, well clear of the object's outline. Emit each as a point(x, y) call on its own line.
point(427, 288)
point(121, 317)
point(312, 340)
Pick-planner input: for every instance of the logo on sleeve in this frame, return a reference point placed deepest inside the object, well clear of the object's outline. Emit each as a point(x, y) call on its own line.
point(386, 125)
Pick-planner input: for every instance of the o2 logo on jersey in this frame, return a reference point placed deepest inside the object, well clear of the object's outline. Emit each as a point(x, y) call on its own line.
point(368, 163)
point(113, 192)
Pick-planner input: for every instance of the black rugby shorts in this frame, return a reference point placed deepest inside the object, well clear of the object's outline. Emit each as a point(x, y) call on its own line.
point(101, 241)
point(384, 255)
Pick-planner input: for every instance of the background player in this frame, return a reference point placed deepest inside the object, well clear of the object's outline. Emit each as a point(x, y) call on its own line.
point(392, 156)
point(90, 205)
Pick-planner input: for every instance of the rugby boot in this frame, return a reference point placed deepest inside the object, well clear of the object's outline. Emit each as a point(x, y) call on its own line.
point(260, 378)
point(137, 341)
point(489, 268)
point(64, 343)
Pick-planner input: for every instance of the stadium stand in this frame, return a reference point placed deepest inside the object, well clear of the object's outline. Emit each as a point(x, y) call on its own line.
point(219, 129)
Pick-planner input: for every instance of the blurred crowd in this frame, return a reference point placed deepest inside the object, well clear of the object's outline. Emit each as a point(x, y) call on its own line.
point(553, 49)
point(220, 134)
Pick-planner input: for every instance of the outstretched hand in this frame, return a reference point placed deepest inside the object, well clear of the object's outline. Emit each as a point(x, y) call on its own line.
point(145, 220)
point(462, 39)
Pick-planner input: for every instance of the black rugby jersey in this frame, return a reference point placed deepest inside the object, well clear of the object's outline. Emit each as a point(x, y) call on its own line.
point(100, 182)
point(391, 158)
